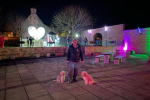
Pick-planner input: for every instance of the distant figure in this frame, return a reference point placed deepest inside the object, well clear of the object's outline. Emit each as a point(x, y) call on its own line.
point(31, 41)
point(97, 41)
point(2, 40)
point(57, 41)
point(85, 40)
point(68, 41)
point(27, 42)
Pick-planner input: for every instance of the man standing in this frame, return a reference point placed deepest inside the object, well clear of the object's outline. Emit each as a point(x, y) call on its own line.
point(33, 41)
point(73, 56)
point(85, 40)
point(68, 41)
point(30, 39)
point(27, 42)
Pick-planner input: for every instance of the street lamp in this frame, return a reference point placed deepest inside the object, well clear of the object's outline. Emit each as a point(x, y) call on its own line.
point(106, 33)
point(76, 35)
point(89, 31)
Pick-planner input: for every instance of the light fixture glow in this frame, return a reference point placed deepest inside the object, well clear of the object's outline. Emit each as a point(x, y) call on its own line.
point(44, 43)
point(106, 28)
point(89, 31)
point(125, 48)
point(76, 35)
point(139, 30)
point(36, 33)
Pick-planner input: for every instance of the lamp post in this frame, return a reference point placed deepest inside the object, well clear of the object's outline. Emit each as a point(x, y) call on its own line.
point(106, 34)
point(89, 32)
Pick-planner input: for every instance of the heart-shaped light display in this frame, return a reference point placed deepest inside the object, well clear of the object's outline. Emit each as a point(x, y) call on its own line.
point(36, 33)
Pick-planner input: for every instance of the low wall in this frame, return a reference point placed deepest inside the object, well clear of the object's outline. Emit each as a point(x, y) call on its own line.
point(90, 49)
point(5, 53)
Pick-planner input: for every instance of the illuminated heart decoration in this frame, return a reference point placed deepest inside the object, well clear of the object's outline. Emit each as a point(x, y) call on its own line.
point(36, 33)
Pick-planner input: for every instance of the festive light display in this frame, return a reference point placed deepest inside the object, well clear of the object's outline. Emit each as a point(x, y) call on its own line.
point(36, 33)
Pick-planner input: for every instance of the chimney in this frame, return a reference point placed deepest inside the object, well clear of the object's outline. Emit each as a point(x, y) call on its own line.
point(33, 10)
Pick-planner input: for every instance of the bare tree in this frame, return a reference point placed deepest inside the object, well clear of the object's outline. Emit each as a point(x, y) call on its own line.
point(71, 20)
point(1, 15)
point(17, 24)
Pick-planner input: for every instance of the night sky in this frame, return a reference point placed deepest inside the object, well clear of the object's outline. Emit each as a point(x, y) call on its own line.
point(106, 12)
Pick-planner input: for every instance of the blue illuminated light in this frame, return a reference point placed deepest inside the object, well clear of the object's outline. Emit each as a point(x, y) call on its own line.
point(139, 30)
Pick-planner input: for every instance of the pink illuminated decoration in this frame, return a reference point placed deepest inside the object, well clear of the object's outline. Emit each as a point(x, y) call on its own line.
point(125, 48)
point(89, 31)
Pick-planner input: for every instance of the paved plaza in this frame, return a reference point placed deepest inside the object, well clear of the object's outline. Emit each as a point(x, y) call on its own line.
point(32, 79)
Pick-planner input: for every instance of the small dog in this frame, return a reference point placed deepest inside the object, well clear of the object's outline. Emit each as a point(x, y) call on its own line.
point(87, 78)
point(61, 77)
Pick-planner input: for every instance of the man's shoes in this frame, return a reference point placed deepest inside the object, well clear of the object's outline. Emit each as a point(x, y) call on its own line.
point(74, 80)
point(69, 82)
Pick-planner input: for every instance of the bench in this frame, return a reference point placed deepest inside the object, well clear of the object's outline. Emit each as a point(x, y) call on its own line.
point(99, 58)
point(117, 59)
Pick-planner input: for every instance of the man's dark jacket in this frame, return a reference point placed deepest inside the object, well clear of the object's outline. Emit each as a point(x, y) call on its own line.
point(74, 54)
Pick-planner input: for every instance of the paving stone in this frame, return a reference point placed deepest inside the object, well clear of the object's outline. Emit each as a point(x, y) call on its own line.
point(146, 87)
point(53, 88)
point(129, 80)
point(21, 96)
point(27, 77)
point(90, 88)
point(33, 80)
point(12, 84)
point(36, 93)
point(116, 98)
point(132, 96)
point(53, 77)
point(2, 94)
point(104, 84)
point(46, 84)
point(61, 95)
point(13, 79)
point(142, 92)
point(2, 98)
point(116, 90)
point(15, 91)
point(12, 76)
point(127, 86)
point(136, 83)
point(88, 96)
point(43, 78)
point(71, 99)
point(103, 94)
point(45, 97)
point(33, 87)
point(69, 86)
point(11, 73)
point(2, 84)
point(40, 75)
point(77, 91)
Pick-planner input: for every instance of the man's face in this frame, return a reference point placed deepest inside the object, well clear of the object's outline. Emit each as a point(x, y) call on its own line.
point(75, 42)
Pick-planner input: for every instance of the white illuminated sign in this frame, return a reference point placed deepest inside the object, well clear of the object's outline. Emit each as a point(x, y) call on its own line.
point(89, 31)
point(106, 28)
point(36, 33)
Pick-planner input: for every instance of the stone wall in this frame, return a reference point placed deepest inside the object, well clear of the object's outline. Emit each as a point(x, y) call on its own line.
point(140, 43)
point(113, 33)
point(90, 49)
point(5, 53)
